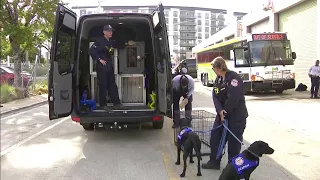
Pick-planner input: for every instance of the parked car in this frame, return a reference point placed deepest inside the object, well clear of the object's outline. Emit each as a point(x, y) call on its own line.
point(7, 76)
point(191, 66)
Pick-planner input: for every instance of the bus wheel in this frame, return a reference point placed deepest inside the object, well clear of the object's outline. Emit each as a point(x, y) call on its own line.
point(279, 91)
point(205, 80)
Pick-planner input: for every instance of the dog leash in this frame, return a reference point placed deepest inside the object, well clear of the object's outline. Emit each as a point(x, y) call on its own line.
point(223, 138)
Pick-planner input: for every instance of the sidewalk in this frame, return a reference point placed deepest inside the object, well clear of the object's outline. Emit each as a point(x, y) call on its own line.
point(22, 104)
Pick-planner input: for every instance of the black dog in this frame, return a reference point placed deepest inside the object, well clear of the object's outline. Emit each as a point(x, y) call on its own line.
point(189, 140)
point(245, 163)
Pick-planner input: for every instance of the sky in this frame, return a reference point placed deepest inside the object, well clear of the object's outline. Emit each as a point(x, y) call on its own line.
point(232, 5)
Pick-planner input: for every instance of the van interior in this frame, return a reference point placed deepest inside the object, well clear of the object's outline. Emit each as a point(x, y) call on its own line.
point(134, 65)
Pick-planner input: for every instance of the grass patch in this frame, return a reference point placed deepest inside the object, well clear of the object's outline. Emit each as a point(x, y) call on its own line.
point(7, 93)
point(41, 87)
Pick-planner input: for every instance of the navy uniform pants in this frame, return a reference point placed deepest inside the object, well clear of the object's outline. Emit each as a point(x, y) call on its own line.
point(106, 81)
point(176, 109)
point(315, 86)
point(237, 127)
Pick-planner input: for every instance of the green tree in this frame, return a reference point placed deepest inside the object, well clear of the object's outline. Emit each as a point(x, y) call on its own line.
point(25, 24)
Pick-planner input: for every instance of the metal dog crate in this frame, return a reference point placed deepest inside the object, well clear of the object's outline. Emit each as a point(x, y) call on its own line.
point(131, 59)
point(202, 122)
point(133, 91)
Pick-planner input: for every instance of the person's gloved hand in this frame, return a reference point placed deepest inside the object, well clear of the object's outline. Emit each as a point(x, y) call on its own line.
point(183, 103)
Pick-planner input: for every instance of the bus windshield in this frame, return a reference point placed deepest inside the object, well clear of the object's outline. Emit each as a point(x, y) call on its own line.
point(269, 53)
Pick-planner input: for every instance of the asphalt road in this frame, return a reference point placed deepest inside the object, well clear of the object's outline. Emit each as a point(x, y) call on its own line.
point(32, 147)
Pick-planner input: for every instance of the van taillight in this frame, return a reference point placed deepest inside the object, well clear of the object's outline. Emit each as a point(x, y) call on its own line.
point(157, 118)
point(76, 119)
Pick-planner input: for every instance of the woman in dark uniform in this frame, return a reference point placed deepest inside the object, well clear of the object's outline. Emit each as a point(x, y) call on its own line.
point(229, 101)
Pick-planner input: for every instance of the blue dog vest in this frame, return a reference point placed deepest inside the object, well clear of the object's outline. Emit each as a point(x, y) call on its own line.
point(183, 132)
point(241, 164)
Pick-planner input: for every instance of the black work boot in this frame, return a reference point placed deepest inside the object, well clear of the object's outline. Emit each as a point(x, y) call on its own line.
point(106, 108)
point(119, 107)
point(210, 165)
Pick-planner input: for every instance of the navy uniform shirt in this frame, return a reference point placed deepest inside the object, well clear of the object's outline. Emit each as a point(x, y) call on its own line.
point(176, 84)
point(231, 96)
point(104, 49)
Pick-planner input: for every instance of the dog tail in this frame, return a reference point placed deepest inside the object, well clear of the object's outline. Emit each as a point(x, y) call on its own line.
point(197, 147)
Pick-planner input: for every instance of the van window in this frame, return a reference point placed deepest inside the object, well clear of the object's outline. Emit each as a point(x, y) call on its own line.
point(64, 51)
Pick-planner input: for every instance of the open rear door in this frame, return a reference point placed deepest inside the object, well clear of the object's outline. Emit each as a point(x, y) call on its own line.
point(163, 61)
point(61, 64)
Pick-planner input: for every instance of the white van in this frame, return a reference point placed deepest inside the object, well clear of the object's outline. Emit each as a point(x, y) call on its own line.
point(140, 69)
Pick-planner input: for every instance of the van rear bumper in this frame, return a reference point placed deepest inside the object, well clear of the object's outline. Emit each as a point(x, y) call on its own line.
point(124, 118)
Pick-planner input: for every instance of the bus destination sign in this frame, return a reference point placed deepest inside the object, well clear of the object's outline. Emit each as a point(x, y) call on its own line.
point(266, 37)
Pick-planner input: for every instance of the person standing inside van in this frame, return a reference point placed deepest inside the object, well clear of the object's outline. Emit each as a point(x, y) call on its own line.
point(314, 74)
point(102, 51)
point(183, 86)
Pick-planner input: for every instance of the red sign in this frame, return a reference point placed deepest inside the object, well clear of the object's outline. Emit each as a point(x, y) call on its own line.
point(266, 37)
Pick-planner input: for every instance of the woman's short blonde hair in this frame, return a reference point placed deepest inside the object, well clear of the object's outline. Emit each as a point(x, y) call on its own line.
point(220, 63)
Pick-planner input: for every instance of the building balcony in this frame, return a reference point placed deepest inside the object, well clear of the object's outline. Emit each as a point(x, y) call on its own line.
point(188, 30)
point(176, 51)
point(183, 44)
point(189, 16)
point(184, 51)
point(221, 18)
point(187, 23)
point(188, 37)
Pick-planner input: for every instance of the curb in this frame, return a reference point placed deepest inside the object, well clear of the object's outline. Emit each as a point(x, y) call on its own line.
point(24, 108)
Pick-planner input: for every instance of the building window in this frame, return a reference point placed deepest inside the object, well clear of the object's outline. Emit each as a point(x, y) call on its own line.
point(239, 18)
point(207, 15)
point(199, 36)
point(175, 20)
point(166, 12)
point(167, 20)
point(213, 16)
point(82, 12)
point(175, 13)
point(175, 27)
point(207, 36)
point(175, 41)
point(199, 22)
point(199, 41)
point(199, 15)
point(207, 23)
point(207, 29)
point(213, 23)
point(199, 28)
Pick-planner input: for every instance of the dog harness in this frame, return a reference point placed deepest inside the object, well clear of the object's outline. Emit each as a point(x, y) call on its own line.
point(241, 164)
point(183, 132)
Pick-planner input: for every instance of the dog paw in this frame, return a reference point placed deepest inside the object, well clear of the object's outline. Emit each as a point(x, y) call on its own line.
point(191, 161)
point(177, 163)
point(199, 174)
point(182, 175)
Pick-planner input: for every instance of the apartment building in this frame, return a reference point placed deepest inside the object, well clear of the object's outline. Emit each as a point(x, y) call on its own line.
point(187, 26)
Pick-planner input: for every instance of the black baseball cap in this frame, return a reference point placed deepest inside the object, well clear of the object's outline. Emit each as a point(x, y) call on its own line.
point(108, 27)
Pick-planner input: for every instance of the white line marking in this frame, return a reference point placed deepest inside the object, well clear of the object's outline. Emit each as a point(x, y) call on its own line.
point(4, 152)
point(32, 109)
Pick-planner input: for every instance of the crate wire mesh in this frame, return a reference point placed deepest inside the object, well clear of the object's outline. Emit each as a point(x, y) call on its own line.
point(202, 122)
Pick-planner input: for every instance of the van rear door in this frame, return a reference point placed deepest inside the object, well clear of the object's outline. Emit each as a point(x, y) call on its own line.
point(61, 64)
point(164, 92)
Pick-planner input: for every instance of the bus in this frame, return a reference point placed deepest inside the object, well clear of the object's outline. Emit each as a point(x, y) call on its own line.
point(264, 61)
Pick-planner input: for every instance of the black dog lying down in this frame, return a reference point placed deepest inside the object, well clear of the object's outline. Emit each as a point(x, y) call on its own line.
point(246, 162)
point(189, 140)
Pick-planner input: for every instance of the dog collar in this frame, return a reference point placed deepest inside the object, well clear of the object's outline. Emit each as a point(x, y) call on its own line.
point(241, 164)
point(183, 132)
